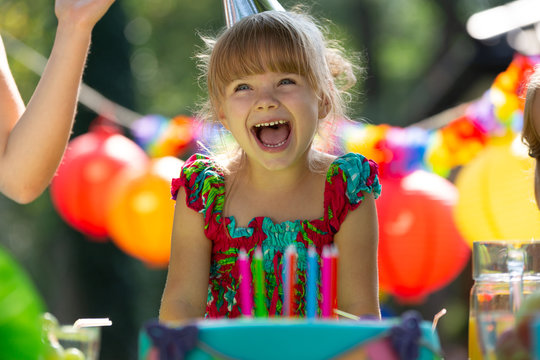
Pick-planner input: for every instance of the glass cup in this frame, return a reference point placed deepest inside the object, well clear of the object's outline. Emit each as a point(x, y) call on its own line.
point(504, 272)
point(84, 339)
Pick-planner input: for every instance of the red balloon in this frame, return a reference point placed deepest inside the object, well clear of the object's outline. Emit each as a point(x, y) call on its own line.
point(420, 248)
point(80, 189)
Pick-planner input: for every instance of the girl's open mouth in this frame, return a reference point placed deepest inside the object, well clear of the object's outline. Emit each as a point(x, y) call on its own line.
point(272, 135)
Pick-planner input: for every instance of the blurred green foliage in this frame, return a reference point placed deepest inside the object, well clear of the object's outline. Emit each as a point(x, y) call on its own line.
point(399, 41)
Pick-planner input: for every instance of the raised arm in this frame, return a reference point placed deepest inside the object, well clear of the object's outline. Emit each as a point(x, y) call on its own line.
point(357, 243)
point(32, 141)
point(11, 103)
point(186, 288)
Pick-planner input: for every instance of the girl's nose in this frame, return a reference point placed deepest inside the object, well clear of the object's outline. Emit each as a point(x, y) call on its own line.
point(266, 100)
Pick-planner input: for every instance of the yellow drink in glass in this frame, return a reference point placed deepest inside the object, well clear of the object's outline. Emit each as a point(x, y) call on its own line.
point(475, 352)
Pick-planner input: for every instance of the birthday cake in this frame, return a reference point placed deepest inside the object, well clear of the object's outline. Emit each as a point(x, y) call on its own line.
point(407, 337)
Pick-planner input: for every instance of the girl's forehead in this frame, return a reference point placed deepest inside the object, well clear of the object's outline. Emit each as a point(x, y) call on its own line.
point(251, 56)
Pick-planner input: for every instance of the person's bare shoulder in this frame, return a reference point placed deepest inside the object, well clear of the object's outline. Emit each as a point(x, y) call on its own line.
point(320, 162)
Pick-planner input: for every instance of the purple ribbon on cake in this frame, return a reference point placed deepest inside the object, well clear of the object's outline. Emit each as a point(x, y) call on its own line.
point(405, 337)
point(172, 343)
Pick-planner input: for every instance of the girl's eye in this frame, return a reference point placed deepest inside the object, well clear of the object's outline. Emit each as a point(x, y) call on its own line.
point(241, 87)
point(287, 81)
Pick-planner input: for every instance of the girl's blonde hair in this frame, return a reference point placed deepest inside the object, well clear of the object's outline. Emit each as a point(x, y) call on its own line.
point(276, 41)
point(530, 135)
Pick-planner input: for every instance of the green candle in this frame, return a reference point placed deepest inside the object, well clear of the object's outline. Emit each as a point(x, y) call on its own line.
point(258, 279)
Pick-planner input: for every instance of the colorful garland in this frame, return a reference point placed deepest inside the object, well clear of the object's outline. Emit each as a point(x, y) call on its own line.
point(397, 150)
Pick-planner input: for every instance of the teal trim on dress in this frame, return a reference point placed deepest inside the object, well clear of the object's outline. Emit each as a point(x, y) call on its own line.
point(355, 174)
point(238, 232)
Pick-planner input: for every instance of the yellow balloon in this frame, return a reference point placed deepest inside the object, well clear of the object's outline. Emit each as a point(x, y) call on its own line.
point(496, 194)
point(140, 213)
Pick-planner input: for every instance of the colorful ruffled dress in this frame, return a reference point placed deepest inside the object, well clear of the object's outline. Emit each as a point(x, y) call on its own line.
point(348, 177)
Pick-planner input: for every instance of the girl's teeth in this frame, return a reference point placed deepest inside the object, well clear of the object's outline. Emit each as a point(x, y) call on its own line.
point(272, 123)
point(276, 145)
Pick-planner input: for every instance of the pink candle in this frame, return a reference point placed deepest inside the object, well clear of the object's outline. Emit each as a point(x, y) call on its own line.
point(326, 282)
point(246, 300)
point(334, 258)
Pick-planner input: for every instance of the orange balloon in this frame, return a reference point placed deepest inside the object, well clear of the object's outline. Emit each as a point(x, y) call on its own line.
point(140, 213)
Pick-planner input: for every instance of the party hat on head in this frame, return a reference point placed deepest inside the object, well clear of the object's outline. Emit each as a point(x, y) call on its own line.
point(238, 9)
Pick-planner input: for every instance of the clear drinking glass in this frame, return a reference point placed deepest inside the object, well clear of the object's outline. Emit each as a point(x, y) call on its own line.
point(85, 339)
point(504, 272)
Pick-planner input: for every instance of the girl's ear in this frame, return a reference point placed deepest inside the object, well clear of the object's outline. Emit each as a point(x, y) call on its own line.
point(324, 107)
point(222, 118)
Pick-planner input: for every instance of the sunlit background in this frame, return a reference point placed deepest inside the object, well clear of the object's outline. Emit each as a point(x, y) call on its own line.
point(427, 63)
